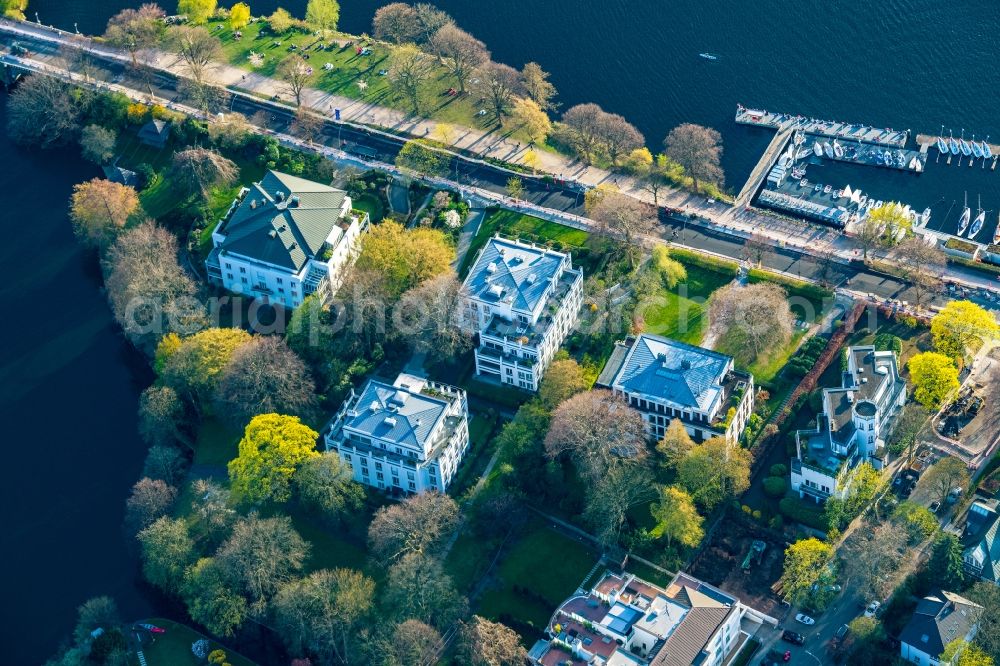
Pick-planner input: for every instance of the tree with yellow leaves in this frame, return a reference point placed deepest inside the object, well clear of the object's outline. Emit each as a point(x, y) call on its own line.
point(935, 378)
point(962, 328)
point(239, 15)
point(193, 368)
point(405, 258)
point(100, 208)
point(272, 448)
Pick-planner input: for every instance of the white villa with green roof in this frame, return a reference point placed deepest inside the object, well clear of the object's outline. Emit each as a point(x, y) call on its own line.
point(856, 421)
point(524, 300)
point(408, 436)
point(283, 239)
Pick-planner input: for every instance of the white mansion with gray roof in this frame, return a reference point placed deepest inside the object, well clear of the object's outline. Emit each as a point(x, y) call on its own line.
point(856, 420)
point(666, 380)
point(408, 436)
point(284, 238)
point(524, 299)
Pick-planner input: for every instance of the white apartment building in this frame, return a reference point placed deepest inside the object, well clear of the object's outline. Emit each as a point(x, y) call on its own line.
point(852, 429)
point(666, 380)
point(405, 437)
point(626, 621)
point(524, 300)
point(283, 239)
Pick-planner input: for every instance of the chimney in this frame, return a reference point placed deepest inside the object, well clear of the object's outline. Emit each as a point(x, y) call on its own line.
point(279, 195)
point(295, 202)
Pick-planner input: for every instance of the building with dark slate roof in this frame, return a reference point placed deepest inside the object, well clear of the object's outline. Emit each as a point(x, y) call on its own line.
point(852, 429)
point(155, 133)
point(939, 619)
point(285, 238)
point(981, 541)
point(405, 437)
point(524, 300)
point(626, 621)
point(666, 380)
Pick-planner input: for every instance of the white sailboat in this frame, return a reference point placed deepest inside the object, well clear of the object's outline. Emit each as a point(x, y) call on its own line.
point(963, 221)
point(977, 224)
point(925, 217)
point(818, 149)
point(838, 150)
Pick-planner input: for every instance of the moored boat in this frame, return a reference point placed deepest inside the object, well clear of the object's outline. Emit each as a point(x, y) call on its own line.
point(977, 224)
point(953, 145)
point(818, 149)
point(838, 150)
point(977, 150)
point(987, 151)
point(828, 150)
point(925, 217)
point(963, 221)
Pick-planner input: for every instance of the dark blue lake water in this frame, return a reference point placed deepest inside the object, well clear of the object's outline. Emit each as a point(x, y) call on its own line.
point(913, 64)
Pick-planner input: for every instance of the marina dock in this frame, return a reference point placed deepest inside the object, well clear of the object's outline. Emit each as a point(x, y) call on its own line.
point(827, 128)
point(770, 156)
point(867, 154)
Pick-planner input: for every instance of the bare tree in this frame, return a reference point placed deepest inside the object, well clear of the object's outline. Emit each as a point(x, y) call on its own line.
point(537, 86)
point(409, 67)
point(415, 642)
point(265, 377)
point(598, 430)
point(625, 220)
point(150, 294)
point(100, 208)
point(944, 476)
point(430, 19)
point(431, 316)
point(307, 124)
point(149, 500)
point(698, 149)
point(98, 144)
point(417, 587)
point(610, 498)
point(487, 643)
point(499, 85)
point(198, 170)
point(419, 524)
point(42, 111)
point(396, 22)
point(296, 73)
point(584, 121)
point(198, 48)
point(162, 417)
point(460, 52)
point(209, 99)
point(618, 135)
point(754, 249)
point(756, 315)
point(136, 30)
point(922, 264)
point(875, 560)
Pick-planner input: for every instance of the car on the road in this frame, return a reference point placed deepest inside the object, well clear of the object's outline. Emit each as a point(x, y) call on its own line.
point(793, 637)
point(872, 608)
point(774, 657)
point(805, 619)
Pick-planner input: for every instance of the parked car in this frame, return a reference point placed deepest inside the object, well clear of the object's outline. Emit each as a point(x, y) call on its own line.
point(805, 619)
point(842, 631)
point(872, 609)
point(935, 505)
point(793, 637)
point(774, 657)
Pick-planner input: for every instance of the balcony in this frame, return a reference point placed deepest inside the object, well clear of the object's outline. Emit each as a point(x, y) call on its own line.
point(508, 359)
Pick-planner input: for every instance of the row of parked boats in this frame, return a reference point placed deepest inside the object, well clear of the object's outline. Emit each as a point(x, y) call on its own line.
point(863, 154)
point(976, 224)
point(960, 146)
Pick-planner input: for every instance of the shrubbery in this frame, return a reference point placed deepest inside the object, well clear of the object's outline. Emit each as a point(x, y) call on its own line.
point(798, 511)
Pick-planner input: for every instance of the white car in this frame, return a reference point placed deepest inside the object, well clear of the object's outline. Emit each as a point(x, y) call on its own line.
point(805, 619)
point(872, 609)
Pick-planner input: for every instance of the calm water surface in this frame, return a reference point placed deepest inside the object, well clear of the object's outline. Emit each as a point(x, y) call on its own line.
point(913, 64)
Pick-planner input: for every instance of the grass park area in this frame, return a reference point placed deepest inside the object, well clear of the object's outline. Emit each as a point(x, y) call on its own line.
point(535, 574)
point(370, 204)
point(681, 313)
point(353, 75)
point(173, 648)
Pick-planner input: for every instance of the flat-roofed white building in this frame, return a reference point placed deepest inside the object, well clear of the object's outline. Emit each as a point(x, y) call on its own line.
point(408, 436)
point(524, 300)
point(283, 239)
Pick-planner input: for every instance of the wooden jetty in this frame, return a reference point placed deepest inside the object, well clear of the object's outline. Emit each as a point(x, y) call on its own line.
point(928, 141)
point(775, 148)
point(829, 128)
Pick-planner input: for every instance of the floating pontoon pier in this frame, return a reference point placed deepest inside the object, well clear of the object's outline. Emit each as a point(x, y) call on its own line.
point(827, 128)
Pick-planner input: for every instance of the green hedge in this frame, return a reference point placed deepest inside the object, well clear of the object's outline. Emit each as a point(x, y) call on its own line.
point(975, 265)
point(706, 261)
point(800, 512)
point(775, 486)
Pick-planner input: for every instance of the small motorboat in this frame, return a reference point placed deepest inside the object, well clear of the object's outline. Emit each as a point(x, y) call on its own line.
point(838, 150)
point(818, 149)
point(817, 188)
point(799, 138)
point(925, 217)
point(152, 628)
point(863, 199)
point(827, 189)
point(828, 150)
point(963, 221)
point(708, 56)
point(887, 158)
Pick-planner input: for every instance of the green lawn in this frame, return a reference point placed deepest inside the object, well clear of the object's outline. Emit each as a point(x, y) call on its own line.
point(681, 313)
point(526, 227)
point(348, 69)
point(546, 564)
point(174, 647)
point(372, 205)
point(480, 451)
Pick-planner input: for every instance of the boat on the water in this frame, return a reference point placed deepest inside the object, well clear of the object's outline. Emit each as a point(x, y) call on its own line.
point(818, 149)
point(953, 145)
point(963, 221)
point(987, 151)
point(977, 150)
point(977, 224)
point(708, 56)
point(942, 144)
point(925, 217)
point(964, 145)
point(838, 150)
point(828, 150)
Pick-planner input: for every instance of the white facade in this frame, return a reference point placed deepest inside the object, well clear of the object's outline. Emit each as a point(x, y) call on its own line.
point(317, 231)
point(857, 419)
point(524, 300)
point(409, 436)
